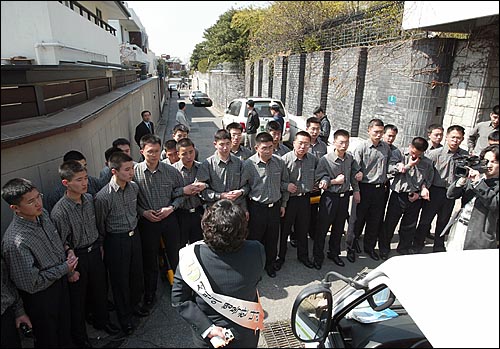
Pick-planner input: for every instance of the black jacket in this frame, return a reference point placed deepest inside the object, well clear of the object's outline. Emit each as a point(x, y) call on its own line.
point(142, 130)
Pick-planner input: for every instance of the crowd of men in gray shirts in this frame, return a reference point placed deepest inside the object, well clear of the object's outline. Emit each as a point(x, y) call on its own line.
point(58, 260)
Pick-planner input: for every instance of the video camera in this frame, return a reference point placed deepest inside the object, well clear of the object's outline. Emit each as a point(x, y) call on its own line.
point(464, 162)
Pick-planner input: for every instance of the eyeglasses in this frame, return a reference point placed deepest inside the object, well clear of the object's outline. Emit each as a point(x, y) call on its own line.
point(32, 201)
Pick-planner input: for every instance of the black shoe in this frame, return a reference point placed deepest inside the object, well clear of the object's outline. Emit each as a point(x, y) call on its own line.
point(430, 236)
point(109, 328)
point(351, 255)
point(384, 256)
point(356, 246)
point(293, 243)
point(141, 312)
point(149, 301)
point(271, 272)
point(307, 263)
point(373, 255)
point(128, 329)
point(278, 264)
point(317, 265)
point(111, 306)
point(336, 260)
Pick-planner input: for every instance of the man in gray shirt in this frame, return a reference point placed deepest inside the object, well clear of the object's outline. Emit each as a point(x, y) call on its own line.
point(161, 192)
point(413, 174)
point(301, 167)
point(373, 157)
point(267, 177)
point(38, 265)
point(444, 160)
point(337, 172)
point(116, 216)
point(236, 130)
point(478, 139)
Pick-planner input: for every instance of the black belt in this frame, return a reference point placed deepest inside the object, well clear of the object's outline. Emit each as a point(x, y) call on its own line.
point(463, 221)
point(340, 195)
point(376, 185)
point(263, 204)
point(300, 194)
point(87, 249)
point(189, 210)
point(128, 233)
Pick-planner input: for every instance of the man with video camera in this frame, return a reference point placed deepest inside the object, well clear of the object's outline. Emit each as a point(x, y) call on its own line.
point(476, 224)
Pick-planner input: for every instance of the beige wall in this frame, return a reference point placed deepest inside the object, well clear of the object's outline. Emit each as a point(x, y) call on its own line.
point(117, 114)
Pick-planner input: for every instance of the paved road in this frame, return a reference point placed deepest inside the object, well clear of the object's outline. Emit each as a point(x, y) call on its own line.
point(165, 328)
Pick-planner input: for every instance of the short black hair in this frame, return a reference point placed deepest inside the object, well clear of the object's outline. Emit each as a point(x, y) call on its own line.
point(144, 112)
point(109, 151)
point(493, 136)
point(312, 120)
point(263, 137)
point(120, 141)
point(150, 139)
point(420, 143)
point(496, 109)
point(318, 110)
point(182, 105)
point(455, 128)
point(180, 127)
point(69, 168)
point(432, 127)
point(185, 142)
point(341, 132)
point(375, 122)
point(250, 102)
point(117, 159)
point(14, 189)
point(170, 144)
point(222, 134)
point(273, 125)
point(235, 126)
point(303, 134)
point(390, 127)
point(73, 155)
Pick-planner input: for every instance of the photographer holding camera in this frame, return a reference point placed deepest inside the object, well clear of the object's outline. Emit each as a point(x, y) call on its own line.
point(476, 225)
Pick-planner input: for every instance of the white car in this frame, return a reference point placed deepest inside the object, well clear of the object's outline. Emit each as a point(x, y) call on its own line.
point(237, 112)
point(192, 94)
point(436, 300)
point(172, 87)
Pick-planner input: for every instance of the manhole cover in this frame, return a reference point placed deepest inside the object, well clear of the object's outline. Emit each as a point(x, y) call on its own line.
point(279, 335)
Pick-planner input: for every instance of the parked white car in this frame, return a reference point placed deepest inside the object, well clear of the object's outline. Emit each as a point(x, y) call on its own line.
point(435, 300)
point(193, 93)
point(237, 112)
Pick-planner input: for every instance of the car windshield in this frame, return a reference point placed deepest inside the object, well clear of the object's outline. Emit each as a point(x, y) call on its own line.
point(264, 110)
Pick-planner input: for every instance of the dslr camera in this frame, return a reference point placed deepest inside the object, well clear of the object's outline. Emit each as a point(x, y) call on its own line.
point(464, 162)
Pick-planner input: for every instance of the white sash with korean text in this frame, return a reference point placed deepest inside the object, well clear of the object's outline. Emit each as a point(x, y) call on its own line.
point(244, 313)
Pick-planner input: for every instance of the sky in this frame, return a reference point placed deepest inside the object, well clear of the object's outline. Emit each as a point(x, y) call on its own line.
point(175, 27)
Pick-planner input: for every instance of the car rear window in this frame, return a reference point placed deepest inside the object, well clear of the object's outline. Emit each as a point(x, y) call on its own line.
point(264, 110)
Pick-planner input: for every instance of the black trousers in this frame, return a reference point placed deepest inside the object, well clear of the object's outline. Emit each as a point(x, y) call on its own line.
point(370, 211)
point(333, 210)
point(151, 232)
point(123, 257)
point(400, 206)
point(264, 226)
point(50, 315)
point(441, 206)
point(10, 335)
point(296, 216)
point(190, 225)
point(92, 284)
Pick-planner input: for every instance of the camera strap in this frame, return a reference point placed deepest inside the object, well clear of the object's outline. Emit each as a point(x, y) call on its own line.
point(244, 313)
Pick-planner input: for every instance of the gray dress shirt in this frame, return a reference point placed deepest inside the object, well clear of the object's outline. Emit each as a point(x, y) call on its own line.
point(478, 138)
point(268, 182)
point(221, 177)
point(161, 188)
point(34, 253)
point(412, 180)
point(76, 222)
point(242, 153)
point(301, 171)
point(319, 148)
point(373, 161)
point(189, 177)
point(116, 208)
point(331, 165)
point(444, 165)
point(281, 150)
point(10, 296)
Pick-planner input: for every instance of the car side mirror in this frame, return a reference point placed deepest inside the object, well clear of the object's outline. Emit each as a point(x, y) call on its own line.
point(312, 313)
point(382, 299)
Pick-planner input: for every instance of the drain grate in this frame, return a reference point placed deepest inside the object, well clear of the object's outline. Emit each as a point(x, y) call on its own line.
point(279, 335)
